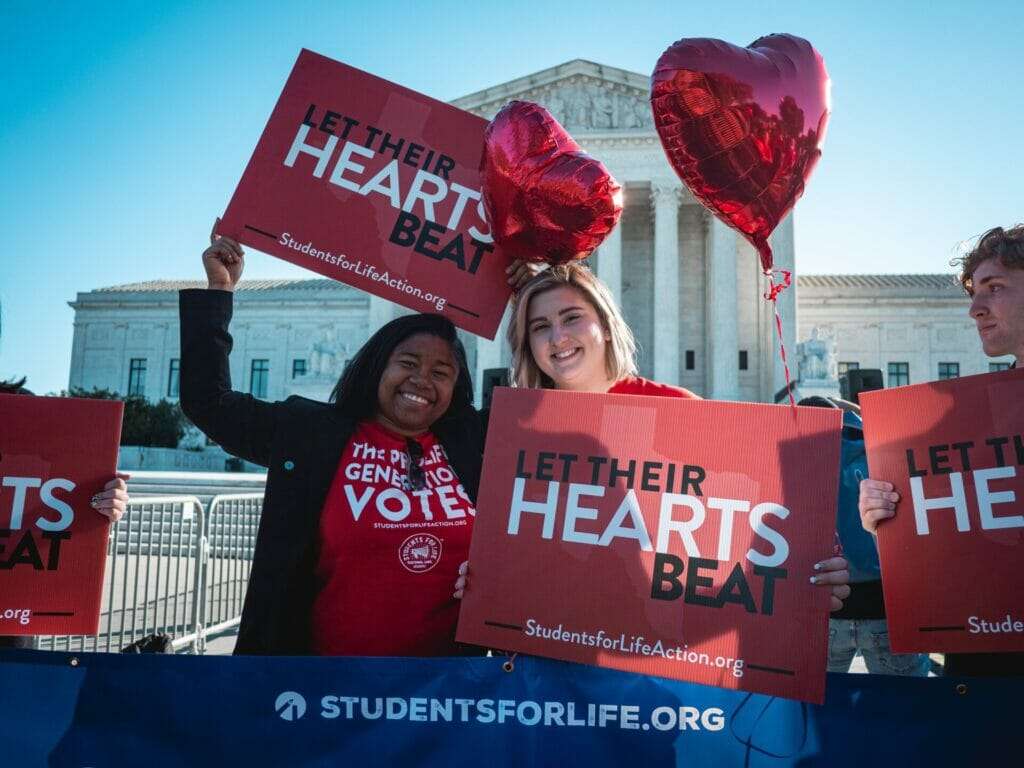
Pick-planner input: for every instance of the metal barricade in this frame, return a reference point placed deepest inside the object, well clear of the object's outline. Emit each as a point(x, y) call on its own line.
point(152, 579)
point(231, 525)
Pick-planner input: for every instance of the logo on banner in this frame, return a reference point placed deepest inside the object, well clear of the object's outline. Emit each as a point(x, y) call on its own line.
point(420, 552)
point(290, 706)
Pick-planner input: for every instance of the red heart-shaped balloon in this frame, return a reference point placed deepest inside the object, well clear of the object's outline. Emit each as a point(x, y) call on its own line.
point(743, 127)
point(546, 199)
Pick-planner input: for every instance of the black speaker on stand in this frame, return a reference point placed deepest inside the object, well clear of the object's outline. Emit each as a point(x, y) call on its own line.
point(858, 380)
point(493, 377)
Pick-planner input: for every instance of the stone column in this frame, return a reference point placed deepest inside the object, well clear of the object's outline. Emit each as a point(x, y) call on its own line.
point(283, 353)
point(773, 375)
point(165, 361)
point(722, 336)
point(241, 368)
point(79, 340)
point(609, 261)
point(380, 312)
point(783, 249)
point(666, 198)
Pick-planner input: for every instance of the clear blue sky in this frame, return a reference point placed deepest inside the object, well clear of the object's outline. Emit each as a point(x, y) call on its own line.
point(125, 129)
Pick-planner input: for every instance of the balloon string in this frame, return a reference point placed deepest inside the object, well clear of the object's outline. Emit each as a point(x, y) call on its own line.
point(774, 289)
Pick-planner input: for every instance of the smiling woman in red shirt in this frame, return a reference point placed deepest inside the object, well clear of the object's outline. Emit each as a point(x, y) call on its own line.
point(369, 500)
point(568, 333)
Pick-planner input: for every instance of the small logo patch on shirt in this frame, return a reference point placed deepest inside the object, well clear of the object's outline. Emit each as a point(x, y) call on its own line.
point(420, 552)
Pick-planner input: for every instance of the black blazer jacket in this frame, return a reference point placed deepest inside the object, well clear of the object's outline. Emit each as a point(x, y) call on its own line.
point(300, 442)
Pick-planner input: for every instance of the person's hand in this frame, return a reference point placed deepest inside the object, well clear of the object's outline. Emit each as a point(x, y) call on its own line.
point(834, 573)
point(112, 501)
point(463, 581)
point(223, 261)
point(877, 503)
point(521, 272)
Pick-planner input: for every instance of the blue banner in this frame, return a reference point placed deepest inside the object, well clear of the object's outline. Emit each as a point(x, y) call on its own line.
point(109, 710)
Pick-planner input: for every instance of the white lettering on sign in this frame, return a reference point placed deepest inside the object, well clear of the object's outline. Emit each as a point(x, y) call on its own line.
point(22, 486)
point(957, 501)
point(679, 514)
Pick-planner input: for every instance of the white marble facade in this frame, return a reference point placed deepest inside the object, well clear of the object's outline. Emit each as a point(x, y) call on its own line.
point(689, 287)
point(874, 321)
point(316, 325)
point(293, 325)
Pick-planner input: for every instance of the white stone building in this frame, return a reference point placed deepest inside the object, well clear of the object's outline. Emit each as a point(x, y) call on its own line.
point(295, 336)
point(689, 287)
point(913, 328)
point(290, 337)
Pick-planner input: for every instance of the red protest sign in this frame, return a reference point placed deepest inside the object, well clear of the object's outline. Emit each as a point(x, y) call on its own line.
point(656, 535)
point(377, 186)
point(951, 556)
point(55, 453)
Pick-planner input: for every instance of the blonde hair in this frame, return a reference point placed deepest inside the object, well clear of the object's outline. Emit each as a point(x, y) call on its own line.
point(620, 351)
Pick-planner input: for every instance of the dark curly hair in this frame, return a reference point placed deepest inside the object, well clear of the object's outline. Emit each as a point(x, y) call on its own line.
point(1007, 245)
point(355, 394)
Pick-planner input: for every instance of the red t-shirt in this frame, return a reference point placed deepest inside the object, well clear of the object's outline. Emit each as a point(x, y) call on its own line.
point(389, 554)
point(636, 385)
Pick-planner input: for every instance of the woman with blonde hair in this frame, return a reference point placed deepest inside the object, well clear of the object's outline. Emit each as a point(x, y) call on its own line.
point(568, 333)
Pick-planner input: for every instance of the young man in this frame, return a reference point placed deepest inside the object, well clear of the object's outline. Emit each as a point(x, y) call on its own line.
point(993, 276)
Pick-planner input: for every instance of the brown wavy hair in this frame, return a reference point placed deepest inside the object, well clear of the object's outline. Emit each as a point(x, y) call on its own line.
point(1007, 245)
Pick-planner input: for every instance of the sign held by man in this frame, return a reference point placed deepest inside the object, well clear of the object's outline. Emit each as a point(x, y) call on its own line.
point(954, 452)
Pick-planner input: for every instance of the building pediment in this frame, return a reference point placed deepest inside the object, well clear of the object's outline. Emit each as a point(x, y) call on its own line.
point(582, 95)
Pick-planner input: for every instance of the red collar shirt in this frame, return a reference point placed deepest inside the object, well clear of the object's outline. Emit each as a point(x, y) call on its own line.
point(636, 385)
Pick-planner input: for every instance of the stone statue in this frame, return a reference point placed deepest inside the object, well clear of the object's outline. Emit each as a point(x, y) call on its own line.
point(556, 106)
point(604, 110)
point(628, 117)
point(577, 109)
point(642, 112)
point(588, 106)
point(326, 355)
point(816, 358)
